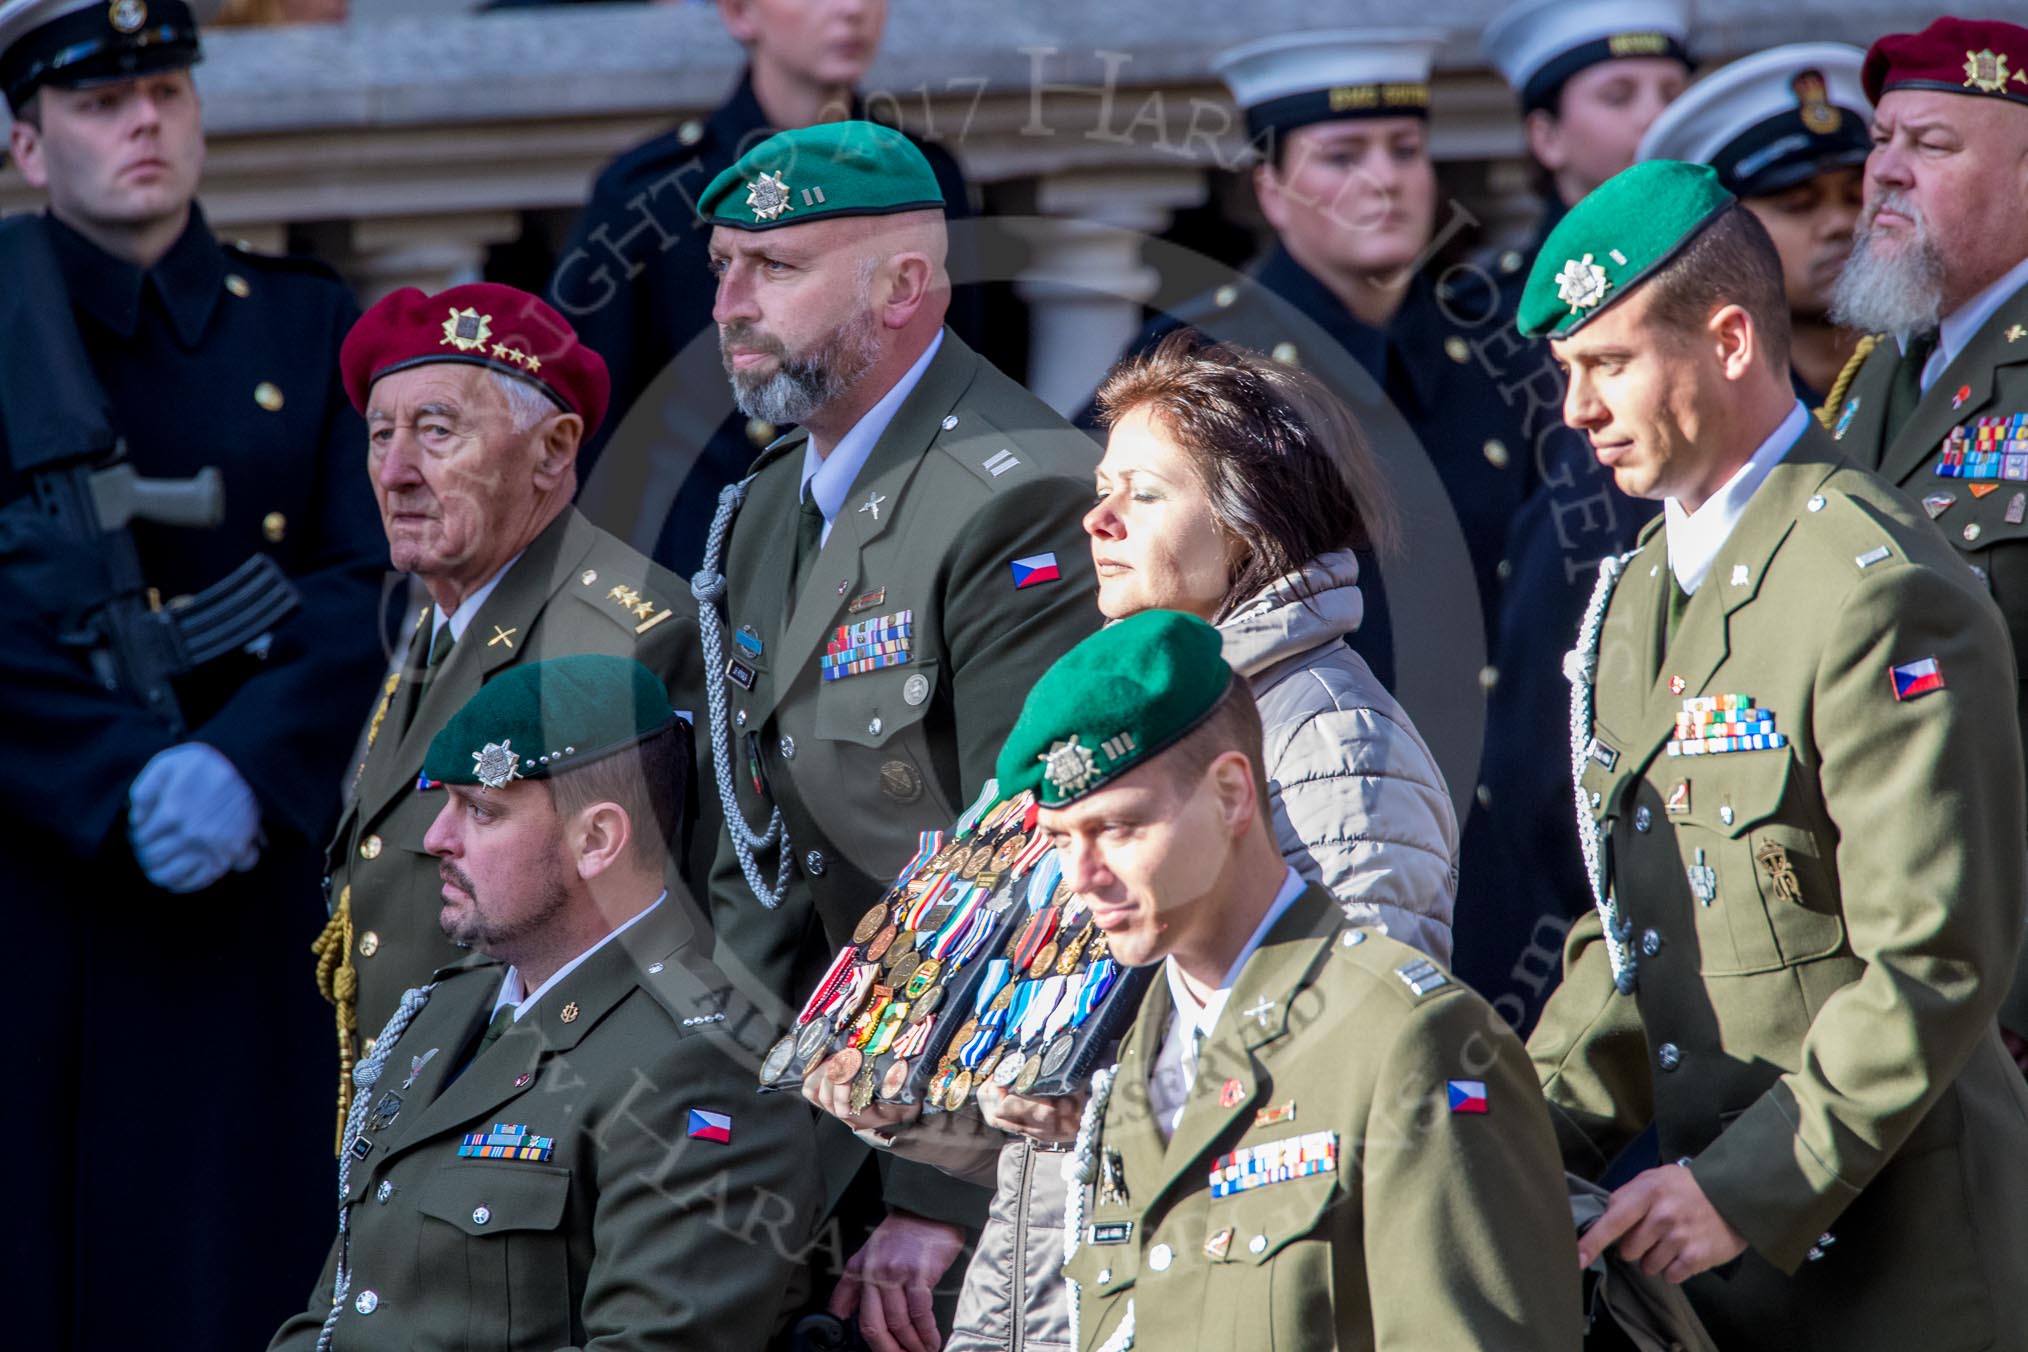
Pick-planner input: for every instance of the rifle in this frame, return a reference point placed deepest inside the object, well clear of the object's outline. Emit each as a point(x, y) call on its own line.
point(69, 532)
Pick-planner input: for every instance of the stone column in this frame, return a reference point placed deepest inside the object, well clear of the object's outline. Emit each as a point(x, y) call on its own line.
point(1087, 283)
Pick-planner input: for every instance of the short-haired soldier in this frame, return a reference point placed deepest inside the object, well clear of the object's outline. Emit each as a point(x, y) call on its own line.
point(1800, 798)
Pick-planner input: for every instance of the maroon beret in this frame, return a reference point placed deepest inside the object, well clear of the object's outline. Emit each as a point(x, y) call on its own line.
point(481, 324)
point(1963, 56)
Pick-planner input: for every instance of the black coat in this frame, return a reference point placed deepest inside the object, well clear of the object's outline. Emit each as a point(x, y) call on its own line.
point(215, 356)
point(635, 282)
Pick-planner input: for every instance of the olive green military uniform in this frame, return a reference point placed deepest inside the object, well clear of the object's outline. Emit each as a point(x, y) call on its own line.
point(973, 475)
point(1818, 930)
point(575, 589)
point(635, 1192)
point(1988, 380)
point(1424, 1206)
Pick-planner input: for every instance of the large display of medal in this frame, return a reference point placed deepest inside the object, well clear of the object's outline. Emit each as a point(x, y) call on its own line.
point(978, 964)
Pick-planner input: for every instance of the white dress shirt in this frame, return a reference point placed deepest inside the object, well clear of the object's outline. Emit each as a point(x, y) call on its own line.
point(1968, 319)
point(1190, 1023)
point(830, 477)
point(510, 985)
point(1696, 537)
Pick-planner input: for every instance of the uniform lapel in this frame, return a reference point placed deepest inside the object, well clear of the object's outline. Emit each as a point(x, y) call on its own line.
point(1704, 638)
point(887, 472)
point(1255, 1015)
point(519, 1060)
point(1133, 1134)
point(1973, 373)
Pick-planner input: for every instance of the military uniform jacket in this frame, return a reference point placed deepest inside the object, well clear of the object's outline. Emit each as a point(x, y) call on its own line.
point(1989, 379)
point(635, 282)
point(1822, 929)
point(649, 1198)
point(215, 356)
point(575, 589)
point(1436, 1218)
point(973, 476)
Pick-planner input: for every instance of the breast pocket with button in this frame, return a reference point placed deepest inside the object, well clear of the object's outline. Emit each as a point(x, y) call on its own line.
point(1269, 1250)
point(493, 1253)
point(1773, 899)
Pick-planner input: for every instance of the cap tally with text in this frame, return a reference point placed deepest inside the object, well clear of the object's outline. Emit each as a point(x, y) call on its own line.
point(1624, 229)
point(541, 718)
point(76, 43)
point(1772, 120)
point(479, 324)
point(1539, 44)
point(814, 173)
point(1295, 79)
point(1125, 694)
point(1961, 56)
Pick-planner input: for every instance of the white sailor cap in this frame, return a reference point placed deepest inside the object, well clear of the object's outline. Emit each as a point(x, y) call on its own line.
point(1771, 120)
point(1293, 79)
point(1539, 44)
point(74, 43)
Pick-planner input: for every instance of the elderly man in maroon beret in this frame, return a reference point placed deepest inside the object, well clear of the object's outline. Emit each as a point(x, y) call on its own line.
point(476, 401)
point(1936, 397)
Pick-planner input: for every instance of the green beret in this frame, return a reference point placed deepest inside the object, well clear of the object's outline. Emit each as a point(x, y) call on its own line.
point(535, 720)
point(1128, 692)
point(813, 173)
point(1623, 230)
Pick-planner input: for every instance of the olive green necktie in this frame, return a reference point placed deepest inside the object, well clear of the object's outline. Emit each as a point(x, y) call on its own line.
point(1679, 601)
point(503, 1019)
point(1906, 391)
point(440, 647)
point(809, 540)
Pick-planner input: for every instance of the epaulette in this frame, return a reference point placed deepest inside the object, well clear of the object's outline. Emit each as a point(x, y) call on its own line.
point(621, 600)
point(971, 439)
point(1395, 965)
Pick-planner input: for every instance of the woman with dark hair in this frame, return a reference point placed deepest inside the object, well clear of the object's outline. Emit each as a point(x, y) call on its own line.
point(1238, 488)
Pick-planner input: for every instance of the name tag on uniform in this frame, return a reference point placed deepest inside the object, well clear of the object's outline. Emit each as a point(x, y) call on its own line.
point(1112, 1232)
point(740, 674)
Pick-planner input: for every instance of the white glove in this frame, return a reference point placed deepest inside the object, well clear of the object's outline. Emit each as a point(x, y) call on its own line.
point(192, 818)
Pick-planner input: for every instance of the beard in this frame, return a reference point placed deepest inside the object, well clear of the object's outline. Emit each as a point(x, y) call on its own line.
point(801, 384)
point(494, 936)
point(1898, 292)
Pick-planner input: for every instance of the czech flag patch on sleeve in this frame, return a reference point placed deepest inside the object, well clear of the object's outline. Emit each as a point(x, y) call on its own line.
point(1468, 1096)
point(1916, 678)
point(705, 1126)
point(1033, 569)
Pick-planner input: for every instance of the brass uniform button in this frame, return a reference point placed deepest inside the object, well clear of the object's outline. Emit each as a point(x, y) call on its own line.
point(1510, 261)
point(369, 944)
point(1286, 354)
point(589, 576)
point(1457, 349)
point(366, 1047)
point(369, 848)
point(268, 396)
point(1496, 454)
point(691, 132)
point(273, 527)
point(760, 432)
point(1225, 295)
point(237, 285)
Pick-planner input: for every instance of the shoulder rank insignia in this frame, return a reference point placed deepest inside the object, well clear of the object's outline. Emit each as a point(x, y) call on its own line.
point(1421, 976)
point(647, 612)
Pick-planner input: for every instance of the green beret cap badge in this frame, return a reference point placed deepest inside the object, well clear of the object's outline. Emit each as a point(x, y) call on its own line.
point(1117, 699)
point(1627, 228)
point(815, 173)
point(571, 710)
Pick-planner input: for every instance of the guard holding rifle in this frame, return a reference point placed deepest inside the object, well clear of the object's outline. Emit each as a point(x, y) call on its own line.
point(186, 664)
